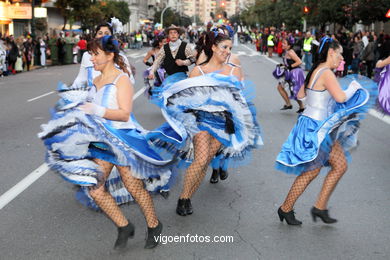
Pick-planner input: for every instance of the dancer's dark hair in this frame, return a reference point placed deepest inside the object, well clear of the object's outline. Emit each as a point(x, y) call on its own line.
point(157, 41)
point(206, 42)
point(322, 54)
point(104, 25)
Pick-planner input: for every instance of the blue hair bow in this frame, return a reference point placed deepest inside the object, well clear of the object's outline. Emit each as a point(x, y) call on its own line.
point(230, 30)
point(215, 31)
point(110, 39)
point(323, 41)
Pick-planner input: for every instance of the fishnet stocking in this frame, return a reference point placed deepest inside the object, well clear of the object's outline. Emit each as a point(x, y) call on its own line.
point(298, 187)
point(142, 197)
point(339, 166)
point(205, 147)
point(103, 199)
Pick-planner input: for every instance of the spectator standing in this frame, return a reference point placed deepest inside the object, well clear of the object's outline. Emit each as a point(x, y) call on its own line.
point(82, 44)
point(369, 55)
point(42, 47)
point(307, 46)
point(28, 52)
point(271, 43)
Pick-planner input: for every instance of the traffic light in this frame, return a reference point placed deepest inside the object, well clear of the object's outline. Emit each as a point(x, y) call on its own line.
point(306, 9)
point(388, 14)
point(223, 4)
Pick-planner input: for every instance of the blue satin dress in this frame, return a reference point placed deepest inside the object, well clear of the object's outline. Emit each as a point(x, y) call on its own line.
point(322, 123)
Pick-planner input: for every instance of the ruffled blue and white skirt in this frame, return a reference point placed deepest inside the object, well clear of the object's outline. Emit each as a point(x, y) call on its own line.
point(215, 103)
point(73, 138)
point(310, 141)
point(156, 96)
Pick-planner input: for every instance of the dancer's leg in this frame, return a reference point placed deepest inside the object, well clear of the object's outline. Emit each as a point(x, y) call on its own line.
point(140, 194)
point(339, 166)
point(299, 186)
point(104, 200)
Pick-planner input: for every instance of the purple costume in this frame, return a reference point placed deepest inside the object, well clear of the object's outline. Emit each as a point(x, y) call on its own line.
point(294, 76)
point(384, 89)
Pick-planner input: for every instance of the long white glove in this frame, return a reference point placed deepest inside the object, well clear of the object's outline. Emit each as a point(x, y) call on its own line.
point(93, 109)
point(351, 90)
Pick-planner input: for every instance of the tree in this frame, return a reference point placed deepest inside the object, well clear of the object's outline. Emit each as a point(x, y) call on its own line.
point(118, 9)
point(370, 11)
point(172, 17)
point(90, 13)
point(63, 7)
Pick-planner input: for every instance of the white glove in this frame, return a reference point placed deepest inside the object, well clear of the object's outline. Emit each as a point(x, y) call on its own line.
point(351, 90)
point(93, 109)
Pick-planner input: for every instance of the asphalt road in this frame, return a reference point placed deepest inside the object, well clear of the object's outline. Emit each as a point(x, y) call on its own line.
point(46, 222)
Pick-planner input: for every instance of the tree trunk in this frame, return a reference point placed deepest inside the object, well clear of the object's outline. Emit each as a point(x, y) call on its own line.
point(65, 21)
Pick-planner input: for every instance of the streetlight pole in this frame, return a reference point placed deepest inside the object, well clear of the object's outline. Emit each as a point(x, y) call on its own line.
point(162, 15)
point(304, 20)
point(33, 19)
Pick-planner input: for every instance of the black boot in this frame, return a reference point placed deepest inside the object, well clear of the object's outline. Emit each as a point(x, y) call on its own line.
point(188, 206)
point(153, 236)
point(214, 176)
point(181, 207)
point(323, 215)
point(124, 233)
point(289, 217)
point(223, 174)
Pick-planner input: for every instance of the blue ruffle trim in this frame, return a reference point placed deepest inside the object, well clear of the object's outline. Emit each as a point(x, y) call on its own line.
point(209, 106)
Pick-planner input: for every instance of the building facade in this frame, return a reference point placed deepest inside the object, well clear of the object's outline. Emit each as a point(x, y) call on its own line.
point(15, 17)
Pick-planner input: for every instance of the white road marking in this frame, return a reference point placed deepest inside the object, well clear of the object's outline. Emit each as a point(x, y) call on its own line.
point(44, 95)
point(137, 55)
point(139, 92)
point(254, 53)
point(380, 116)
point(12, 193)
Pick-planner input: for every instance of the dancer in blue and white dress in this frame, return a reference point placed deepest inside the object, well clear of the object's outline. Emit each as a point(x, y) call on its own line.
point(208, 113)
point(87, 72)
point(219, 163)
point(325, 131)
point(86, 141)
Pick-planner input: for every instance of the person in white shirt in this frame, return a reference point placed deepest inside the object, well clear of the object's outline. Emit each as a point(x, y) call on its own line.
point(87, 73)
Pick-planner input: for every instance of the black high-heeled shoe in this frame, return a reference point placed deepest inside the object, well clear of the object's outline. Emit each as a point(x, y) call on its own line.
point(323, 215)
point(223, 174)
point(124, 233)
point(153, 234)
point(289, 217)
point(188, 206)
point(285, 107)
point(181, 207)
point(214, 176)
